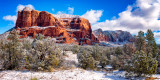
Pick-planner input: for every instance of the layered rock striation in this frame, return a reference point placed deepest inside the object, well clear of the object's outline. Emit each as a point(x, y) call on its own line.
point(113, 36)
point(70, 30)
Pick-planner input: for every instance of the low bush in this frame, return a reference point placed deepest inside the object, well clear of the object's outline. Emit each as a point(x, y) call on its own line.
point(44, 55)
point(86, 60)
point(75, 49)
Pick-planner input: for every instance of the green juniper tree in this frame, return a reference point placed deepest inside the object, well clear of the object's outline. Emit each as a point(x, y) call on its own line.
point(140, 42)
point(151, 43)
point(129, 49)
point(150, 37)
point(12, 55)
point(158, 59)
point(142, 64)
point(86, 60)
point(97, 52)
point(99, 55)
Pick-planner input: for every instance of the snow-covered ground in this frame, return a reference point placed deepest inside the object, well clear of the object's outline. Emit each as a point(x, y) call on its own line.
point(70, 56)
point(113, 44)
point(157, 75)
point(72, 74)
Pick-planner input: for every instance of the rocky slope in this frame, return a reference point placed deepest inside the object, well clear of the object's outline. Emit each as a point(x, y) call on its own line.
point(69, 30)
point(113, 36)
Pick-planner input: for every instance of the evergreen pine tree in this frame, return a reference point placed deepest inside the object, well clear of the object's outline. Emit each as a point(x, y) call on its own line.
point(150, 37)
point(154, 50)
point(142, 64)
point(151, 43)
point(129, 49)
point(140, 42)
point(158, 59)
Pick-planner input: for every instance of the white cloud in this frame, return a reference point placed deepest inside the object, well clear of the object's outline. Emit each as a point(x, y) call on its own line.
point(157, 34)
point(143, 15)
point(10, 18)
point(93, 15)
point(21, 7)
point(61, 12)
point(14, 17)
point(53, 9)
point(70, 10)
point(158, 40)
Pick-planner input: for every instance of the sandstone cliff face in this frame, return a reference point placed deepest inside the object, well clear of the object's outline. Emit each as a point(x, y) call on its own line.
point(114, 36)
point(66, 30)
point(28, 18)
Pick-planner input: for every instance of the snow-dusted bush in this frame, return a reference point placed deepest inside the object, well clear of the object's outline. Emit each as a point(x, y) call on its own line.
point(11, 52)
point(95, 53)
point(38, 54)
point(142, 64)
point(158, 59)
point(115, 62)
point(66, 47)
point(99, 54)
point(103, 61)
point(75, 49)
point(86, 60)
point(44, 55)
point(118, 51)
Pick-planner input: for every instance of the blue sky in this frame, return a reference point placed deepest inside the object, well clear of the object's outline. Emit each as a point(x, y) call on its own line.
point(129, 15)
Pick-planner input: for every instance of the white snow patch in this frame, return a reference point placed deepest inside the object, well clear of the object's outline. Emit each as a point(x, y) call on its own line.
point(108, 66)
point(38, 27)
point(72, 74)
point(71, 56)
point(65, 16)
point(157, 76)
point(27, 9)
point(73, 29)
point(75, 38)
point(51, 26)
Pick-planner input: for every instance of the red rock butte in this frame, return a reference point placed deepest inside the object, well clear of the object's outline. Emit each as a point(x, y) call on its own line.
point(70, 30)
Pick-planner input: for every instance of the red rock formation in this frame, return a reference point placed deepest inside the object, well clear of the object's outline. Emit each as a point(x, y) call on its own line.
point(28, 18)
point(65, 30)
point(114, 36)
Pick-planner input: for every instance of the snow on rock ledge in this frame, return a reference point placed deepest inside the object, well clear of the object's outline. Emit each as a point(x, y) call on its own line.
point(65, 16)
